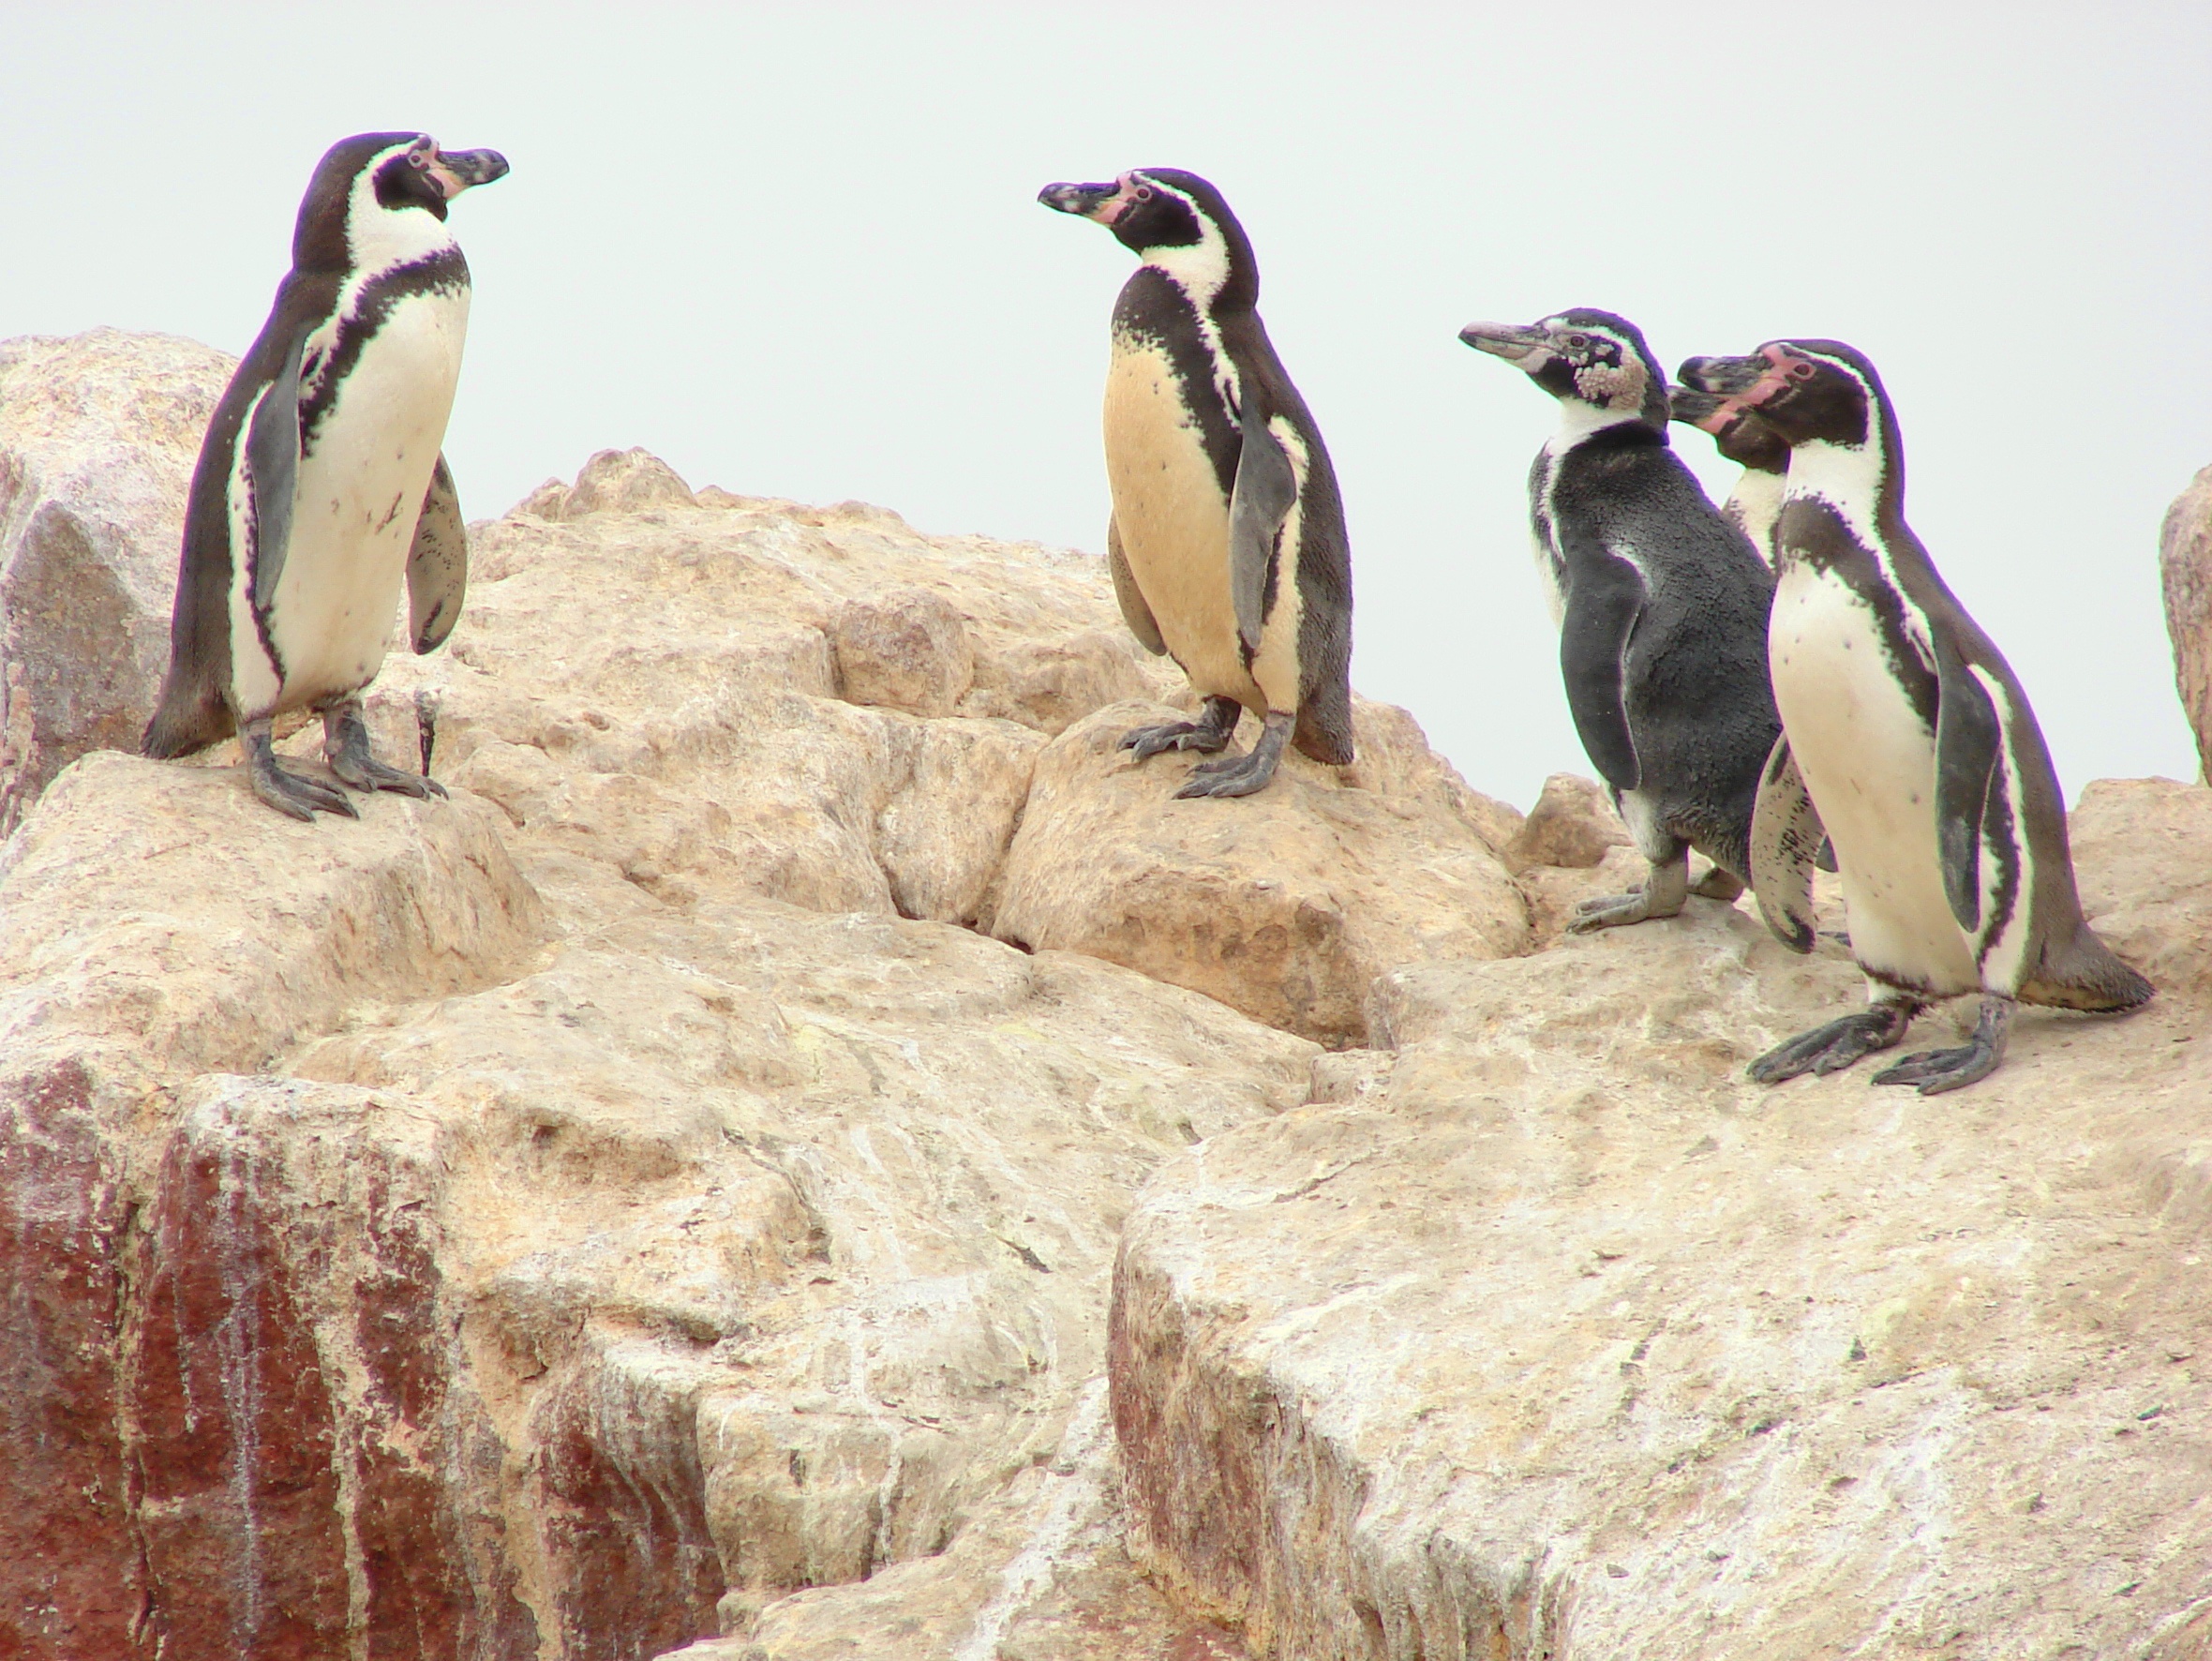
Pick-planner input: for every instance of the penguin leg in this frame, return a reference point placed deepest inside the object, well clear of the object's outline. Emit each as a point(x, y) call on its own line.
point(1832, 1048)
point(1209, 733)
point(345, 747)
point(1662, 895)
point(1937, 1070)
point(289, 793)
point(1241, 775)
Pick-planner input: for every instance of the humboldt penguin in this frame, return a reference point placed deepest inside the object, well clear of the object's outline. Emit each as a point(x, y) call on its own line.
point(1661, 605)
point(320, 487)
point(1227, 541)
point(1915, 738)
point(1755, 503)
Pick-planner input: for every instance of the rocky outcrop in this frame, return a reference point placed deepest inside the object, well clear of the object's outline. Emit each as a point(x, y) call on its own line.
point(98, 437)
point(2185, 562)
point(1561, 1339)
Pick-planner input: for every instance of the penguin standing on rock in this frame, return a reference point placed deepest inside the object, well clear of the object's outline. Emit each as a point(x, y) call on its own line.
point(320, 485)
point(1755, 503)
point(1916, 740)
point(1227, 541)
point(1662, 610)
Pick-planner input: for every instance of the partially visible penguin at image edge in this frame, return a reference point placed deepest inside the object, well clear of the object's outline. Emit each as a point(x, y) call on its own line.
point(1661, 604)
point(1227, 541)
point(320, 487)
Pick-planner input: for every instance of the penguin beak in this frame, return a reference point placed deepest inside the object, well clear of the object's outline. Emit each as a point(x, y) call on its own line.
point(1719, 377)
point(1511, 341)
point(456, 171)
point(1691, 405)
point(1101, 203)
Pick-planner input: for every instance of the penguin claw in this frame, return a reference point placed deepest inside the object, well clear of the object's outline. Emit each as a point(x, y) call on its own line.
point(367, 773)
point(1174, 735)
point(1937, 1070)
point(1613, 911)
point(298, 797)
point(1241, 775)
point(1836, 1046)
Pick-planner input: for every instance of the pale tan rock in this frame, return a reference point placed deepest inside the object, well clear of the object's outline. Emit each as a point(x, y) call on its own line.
point(2185, 564)
point(907, 650)
point(98, 435)
point(1569, 1341)
point(1571, 825)
point(613, 481)
point(1285, 904)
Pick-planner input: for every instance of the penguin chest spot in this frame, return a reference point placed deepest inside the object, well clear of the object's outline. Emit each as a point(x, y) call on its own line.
point(1173, 518)
point(359, 495)
point(1868, 759)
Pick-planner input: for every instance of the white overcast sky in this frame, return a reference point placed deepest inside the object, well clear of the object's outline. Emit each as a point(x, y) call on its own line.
point(795, 251)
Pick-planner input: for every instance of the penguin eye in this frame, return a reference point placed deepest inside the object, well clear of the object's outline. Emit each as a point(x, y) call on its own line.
point(1577, 342)
point(1144, 193)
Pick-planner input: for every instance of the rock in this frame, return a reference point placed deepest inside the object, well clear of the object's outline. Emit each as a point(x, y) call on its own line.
point(613, 481)
point(908, 651)
point(2184, 563)
point(1571, 825)
point(1287, 905)
point(98, 435)
point(1567, 1339)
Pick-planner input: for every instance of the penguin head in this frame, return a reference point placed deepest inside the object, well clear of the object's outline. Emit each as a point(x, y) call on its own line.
point(1593, 362)
point(375, 196)
point(1742, 436)
point(1804, 392)
point(1174, 221)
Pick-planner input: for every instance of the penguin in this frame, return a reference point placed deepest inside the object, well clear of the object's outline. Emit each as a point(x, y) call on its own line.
point(1755, 503)
point(1661, 605)
point(1916, 742)
point(320, 485)
point(1227, 541)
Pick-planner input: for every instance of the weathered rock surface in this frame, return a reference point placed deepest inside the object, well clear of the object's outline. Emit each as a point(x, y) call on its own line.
point(1287, 908)
point(2184, 563)
point(1565, 1340)
point(99, 433)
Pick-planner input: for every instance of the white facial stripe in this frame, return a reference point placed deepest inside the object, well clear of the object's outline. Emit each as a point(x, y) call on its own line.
point(379, 238)
point(1200, 268)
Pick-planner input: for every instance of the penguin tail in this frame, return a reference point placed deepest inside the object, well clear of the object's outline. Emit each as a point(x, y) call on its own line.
point(2086, 975)
point(185, 721)
point(1324, 725)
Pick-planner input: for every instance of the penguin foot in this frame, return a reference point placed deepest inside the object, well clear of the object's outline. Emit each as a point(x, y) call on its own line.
point(345, 747)
point(294, 795)
point(1662, 895)
point(1937, 1070)
point(1241, 775)
point(1834, 1047)
point(1719, 884)
point(1207, 735)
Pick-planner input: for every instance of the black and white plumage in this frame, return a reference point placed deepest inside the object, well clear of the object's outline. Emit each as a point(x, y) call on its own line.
point(1915, 738)
point(320, 487)
point(1755, 503)
point(1661, 605)
point(1227, 541)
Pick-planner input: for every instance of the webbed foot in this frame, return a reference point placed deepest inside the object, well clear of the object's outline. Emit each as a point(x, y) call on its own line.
point(1207, 735)
point(345, 747)
point(1662, 895)
point(1834, 1047)
point(1719, 884)
point(1937, 1070)
point(294, 795)
point(1242, 775)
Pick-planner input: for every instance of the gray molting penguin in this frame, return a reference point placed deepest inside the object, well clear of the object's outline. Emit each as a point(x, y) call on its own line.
point(1755, 503)
point(1661, 605)
point(1916, 740)
point(1227, 541)
point(319, 487)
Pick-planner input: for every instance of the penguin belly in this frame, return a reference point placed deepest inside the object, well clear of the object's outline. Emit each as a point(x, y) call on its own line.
point(1174, 520)
point(1869, 761)
point(359, 493)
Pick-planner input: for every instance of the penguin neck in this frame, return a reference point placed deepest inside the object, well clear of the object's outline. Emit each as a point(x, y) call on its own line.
point(1579, 422)
point(1208, 272)
point(379, 238)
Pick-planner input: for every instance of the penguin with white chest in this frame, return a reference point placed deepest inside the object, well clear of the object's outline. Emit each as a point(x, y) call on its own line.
point(1915, 738)
point(319, 487)
point(1661, 605)
point(1227, 541)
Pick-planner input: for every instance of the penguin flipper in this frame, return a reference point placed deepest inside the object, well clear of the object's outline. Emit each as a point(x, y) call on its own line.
point(1266, 486)
point(1786, 841)
point(1134, 611)
point(273, 468)
point(1969, 742)
point(1603, 605)
point(437, 565)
